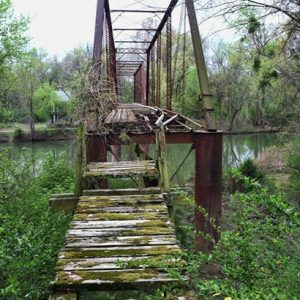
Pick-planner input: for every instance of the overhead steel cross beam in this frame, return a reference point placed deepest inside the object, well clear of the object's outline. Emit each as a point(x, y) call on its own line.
point(138, 11)
point(134, 29)
point(162, 24)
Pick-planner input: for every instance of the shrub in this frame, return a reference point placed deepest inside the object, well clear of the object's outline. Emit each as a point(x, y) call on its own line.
point(257, 256)
point(18, 133)
point(30, 234)
point(293, 163)
point(248, 169)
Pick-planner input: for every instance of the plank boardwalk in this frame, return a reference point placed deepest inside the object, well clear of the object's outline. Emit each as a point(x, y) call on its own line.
point(119, 240)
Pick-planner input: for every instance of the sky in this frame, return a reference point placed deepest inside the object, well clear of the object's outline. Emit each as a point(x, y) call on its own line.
point(59, 26)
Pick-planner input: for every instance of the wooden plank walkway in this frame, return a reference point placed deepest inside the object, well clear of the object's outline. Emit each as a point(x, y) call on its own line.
point(117, 241)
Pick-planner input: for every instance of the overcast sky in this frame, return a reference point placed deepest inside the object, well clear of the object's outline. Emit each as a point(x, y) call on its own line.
point(58, 26)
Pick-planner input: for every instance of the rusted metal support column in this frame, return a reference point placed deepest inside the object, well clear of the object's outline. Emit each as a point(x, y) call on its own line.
point(153, 79)
point(169, 63)
point(208, 189)
point(98, 38)
point(158, 67)
point(96, 148)
point(148, 79)
point(201, 67)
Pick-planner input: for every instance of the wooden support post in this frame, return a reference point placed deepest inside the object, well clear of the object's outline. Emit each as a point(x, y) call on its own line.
point(161, 148)
point(79, 162)
point(208, 189)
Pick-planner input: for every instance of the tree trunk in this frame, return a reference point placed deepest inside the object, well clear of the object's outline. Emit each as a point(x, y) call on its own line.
point(31, 121)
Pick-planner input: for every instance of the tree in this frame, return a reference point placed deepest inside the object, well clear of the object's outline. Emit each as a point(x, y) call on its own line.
point(31, 75)
point(12, 48)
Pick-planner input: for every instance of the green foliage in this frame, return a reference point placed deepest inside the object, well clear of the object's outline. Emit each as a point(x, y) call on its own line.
point(45, 100)
point(257, 256)
point(293, 163)
point(18, 132)
point(30, 234)
point(56, 176)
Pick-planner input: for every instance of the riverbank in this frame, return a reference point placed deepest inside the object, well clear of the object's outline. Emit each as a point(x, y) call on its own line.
point(20, 133)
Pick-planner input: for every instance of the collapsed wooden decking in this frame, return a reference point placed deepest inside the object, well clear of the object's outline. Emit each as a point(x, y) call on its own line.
point(119, 239)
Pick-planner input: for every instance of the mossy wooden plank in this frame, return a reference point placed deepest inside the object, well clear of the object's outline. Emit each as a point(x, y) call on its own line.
point(124, 209)
point(64, 296)
point(116, 276)
point(131, 251)
point(101, 204)
point(120, 216)
point(120, 231)
point(122, 224)
point(120, 241)
point(92, 199)
point(117, 263)
point(130, 191)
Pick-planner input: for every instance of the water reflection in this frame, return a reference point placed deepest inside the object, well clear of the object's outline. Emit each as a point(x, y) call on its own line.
point(236, 148)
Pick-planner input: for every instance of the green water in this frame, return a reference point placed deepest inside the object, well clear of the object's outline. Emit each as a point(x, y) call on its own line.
point(236, 148)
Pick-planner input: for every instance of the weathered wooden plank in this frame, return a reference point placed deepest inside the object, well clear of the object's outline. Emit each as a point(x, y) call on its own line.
point(131, 191)
point(118, 173)
point(117, 263)
point(112, 203)
point(143, 207)
point(120, 231)
point(120, 224)
point(86, 279)
point(131, 251)
point(64, 296)
point(120, 241)
point(121, 197)
point(120, 216)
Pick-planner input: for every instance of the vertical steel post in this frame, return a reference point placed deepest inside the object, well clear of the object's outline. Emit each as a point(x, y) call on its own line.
point(98, 38)
point(148, 79)
point(208, 189)
point(169, 63)
point(158, 67)
point(96, 148)
point(201, 67)
point(153, 79)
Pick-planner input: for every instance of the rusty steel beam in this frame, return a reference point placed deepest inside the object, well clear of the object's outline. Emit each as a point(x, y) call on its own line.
point(129, 61)
point(98, 37)
point(163, 22)
point(96, 148)
point(134, 29)
point(148, 78)
point(133, 42)
point(206, 94)
point(132, 50)
point(138, 11)
point(208, 189)
point(169, 63)
point(149, 138)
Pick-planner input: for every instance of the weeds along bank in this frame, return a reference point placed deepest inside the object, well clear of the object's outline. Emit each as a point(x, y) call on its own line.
point(258, 254)
point(256, 258)
point(30, 235)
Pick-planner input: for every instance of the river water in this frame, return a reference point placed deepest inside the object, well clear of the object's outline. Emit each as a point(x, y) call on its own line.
point(236, 148)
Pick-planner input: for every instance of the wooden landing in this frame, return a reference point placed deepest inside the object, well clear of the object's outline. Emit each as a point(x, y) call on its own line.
point(117, 242)
point(122, 169)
